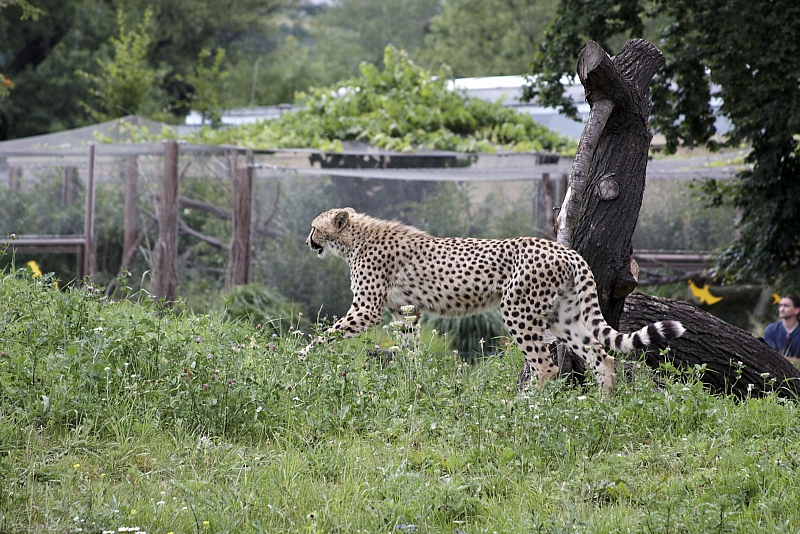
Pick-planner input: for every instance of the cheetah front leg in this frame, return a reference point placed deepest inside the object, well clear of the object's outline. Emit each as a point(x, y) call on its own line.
point(369, 297)
point(357, 319)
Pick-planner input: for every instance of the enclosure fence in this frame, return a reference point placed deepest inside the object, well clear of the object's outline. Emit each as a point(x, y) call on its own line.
point(188, 220)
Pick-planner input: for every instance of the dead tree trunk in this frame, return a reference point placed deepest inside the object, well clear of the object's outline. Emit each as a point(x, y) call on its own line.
point(735, 361)
point(599, 215)
point(69, 190)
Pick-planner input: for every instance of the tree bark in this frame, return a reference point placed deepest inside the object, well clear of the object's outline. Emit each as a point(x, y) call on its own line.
point(606, 184)
point(608, 206)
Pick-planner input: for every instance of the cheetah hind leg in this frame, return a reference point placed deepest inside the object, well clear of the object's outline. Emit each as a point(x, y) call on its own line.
point(572, 332)
point(529, 334)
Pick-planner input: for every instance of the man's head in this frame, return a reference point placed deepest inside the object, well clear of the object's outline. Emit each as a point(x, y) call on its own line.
point(789, 307)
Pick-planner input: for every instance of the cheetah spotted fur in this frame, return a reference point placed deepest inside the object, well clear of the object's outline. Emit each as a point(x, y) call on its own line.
point(538, 284)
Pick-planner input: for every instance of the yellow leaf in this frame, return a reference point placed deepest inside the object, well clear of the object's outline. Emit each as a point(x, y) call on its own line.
point(776, 299)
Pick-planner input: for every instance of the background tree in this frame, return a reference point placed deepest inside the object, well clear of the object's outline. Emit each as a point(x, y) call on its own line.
point(42, 57)
point(487, 37)
point(124, 80)
point(28, 12)
point(318, 45)
point(744, 52)
point(363, 28)
point(207, 81)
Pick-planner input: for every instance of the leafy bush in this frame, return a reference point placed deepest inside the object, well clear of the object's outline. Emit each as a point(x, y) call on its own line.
point(403, 107)
point(474, 335)
point(260, 305)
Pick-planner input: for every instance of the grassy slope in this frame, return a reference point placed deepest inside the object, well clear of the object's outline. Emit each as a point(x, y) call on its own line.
point(121, 415)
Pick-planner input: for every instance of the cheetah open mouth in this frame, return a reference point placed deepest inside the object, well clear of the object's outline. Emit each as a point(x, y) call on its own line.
point(316, 247)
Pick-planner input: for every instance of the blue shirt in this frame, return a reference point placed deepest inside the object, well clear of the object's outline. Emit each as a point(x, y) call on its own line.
point(775, 336)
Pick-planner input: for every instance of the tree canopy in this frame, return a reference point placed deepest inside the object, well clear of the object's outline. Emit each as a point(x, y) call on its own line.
point(745, 53)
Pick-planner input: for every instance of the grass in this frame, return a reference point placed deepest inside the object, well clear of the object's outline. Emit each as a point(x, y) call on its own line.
point(125, 416)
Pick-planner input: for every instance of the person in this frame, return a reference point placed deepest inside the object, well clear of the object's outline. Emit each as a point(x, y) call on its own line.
point(784, 335)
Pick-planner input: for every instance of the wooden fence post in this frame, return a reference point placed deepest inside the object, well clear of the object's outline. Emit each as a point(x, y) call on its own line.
point(69, 188)
point(164, 276)
point(549, 215)
point(14, 178)
point(238, 271)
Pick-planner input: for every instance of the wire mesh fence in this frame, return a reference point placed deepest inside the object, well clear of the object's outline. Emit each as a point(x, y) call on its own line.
point(43, 194)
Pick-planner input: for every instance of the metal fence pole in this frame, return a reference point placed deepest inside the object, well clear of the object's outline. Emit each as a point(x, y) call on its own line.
point(131, 213)
point(88, 253)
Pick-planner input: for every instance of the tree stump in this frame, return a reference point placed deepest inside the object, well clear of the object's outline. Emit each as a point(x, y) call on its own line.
point(607, 183)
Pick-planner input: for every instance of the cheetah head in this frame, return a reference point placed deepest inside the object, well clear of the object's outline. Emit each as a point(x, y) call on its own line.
point(328, 232)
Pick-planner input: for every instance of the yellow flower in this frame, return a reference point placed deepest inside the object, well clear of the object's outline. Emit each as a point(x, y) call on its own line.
point(206, 523)
point(75, 466)
point(35, 268)
point(133, 512)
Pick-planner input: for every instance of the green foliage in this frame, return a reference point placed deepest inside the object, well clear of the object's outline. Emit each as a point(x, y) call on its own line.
point(42, 57)
point(5, 86)
point(28, 11)
point(122, 414)
point(401, 108)
point(351, 32)
point(748, 54)
point(575, 23)
point(290, 68)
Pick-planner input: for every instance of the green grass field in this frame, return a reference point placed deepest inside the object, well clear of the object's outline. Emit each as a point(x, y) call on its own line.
point(126, 417)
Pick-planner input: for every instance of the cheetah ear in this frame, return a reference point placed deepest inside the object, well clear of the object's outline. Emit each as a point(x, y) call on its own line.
point(349, 210)
point(341, 219)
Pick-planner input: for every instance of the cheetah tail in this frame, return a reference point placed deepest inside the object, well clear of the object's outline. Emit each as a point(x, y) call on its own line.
point(650, 334)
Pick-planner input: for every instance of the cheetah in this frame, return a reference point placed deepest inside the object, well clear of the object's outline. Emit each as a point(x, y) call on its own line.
point(539, 285)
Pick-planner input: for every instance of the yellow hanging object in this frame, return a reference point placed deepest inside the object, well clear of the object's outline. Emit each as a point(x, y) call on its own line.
point(776, 299)
point(37, 272)
point(703, 294)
